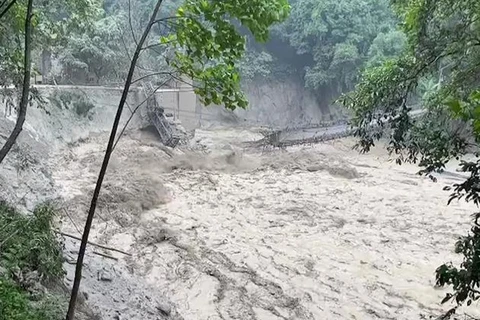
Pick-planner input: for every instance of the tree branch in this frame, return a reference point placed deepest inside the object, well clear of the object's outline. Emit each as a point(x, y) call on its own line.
point(130, 22)
point(26, 84)
point(104, 255)
point(123, 42)
point(92, 243)
point(161, 54)
point(155, 45)
point(183, 81)
point(3, 3)
point(126, 49)
point(103, 169)
point(7, 8)
point(161, 20)
point(151, 75)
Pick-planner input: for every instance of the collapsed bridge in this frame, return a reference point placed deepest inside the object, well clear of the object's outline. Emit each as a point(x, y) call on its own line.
point(316, 133)
point(169, 130)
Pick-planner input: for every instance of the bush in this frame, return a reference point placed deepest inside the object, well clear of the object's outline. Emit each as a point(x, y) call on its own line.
point(14, 304)
point(28, 243)
point(30, 259)
point(17, 304)
point(67, 100)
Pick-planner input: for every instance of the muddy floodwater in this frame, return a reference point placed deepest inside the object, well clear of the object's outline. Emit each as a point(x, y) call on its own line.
point(215, 231)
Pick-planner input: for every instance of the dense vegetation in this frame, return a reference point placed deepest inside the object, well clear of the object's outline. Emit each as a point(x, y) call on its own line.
point(325, 43)
point(444, 50)
point(51, 31)
point(30, 261)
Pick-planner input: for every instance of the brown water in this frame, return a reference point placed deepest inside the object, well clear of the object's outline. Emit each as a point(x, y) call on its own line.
point(310, 233)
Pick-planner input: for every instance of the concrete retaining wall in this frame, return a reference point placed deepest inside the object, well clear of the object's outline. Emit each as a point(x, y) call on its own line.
point(77, 111)
point(69, 113)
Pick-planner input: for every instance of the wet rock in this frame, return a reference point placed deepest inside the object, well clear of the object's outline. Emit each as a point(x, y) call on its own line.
point(164, 308)
point(314, 168)
point(105, 275)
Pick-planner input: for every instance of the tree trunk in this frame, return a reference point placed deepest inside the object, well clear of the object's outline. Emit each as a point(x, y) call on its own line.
point(108, 152)
point(22, 113)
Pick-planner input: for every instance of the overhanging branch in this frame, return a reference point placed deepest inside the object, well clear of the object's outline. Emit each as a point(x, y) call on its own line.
point(10, 5)
point(162, 20)
point(130, 22)
point(151, 75)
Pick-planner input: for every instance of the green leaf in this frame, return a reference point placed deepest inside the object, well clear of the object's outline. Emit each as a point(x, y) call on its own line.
point(455, 106)
point(181, 12)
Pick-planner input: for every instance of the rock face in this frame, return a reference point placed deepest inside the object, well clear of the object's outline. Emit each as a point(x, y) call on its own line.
point(279, 104)
point(282, 103)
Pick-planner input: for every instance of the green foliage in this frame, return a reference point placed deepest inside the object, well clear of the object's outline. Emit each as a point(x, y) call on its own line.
point(203, 36)
point(465, 279)
point(97, 50)
point(443, 44)
point(17, 304)
point(14, 304)
point(52, 21)
point(386, 46)
point(341, 36)
point(77, 102)
point(207, 44)
point(256, 64)
point(29, 243)
point(261, 64)
point(50, 306)
point(468, 111)
point(29, 255)
point(427, 88)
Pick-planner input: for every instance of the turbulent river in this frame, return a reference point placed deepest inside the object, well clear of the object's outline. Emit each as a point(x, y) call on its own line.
point(214, 231)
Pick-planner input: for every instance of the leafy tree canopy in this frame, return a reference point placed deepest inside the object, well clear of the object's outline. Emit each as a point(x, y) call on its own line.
point(341, 36)
point(52, 21)
point(96, 49)
point(208, 44)
point(330, 41)
point(199, 38)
